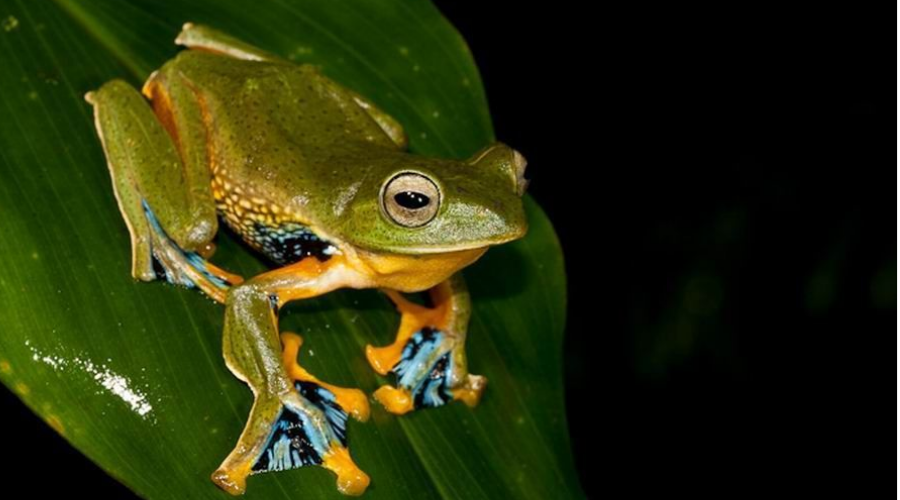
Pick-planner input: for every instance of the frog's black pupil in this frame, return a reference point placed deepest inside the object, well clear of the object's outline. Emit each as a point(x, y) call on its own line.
point(411, 199)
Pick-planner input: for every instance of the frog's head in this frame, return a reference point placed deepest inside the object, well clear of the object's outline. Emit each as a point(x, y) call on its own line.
point(420, 205)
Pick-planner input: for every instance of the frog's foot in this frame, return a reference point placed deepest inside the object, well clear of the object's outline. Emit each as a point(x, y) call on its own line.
point(427, 358)
point(352, 401)
point(183, 267)
point(426, 375)
point(305, 427)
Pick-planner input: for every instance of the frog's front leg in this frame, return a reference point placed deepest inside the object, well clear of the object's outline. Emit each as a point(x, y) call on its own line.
point(428, 356)
point(296, 419)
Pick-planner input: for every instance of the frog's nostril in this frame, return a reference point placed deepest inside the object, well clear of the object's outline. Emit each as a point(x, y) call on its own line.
point(520, 164)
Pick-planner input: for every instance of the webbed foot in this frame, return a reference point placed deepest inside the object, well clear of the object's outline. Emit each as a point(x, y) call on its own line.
point(353, 401)
point(307, 426)
point(424, 374)
point(428, 356)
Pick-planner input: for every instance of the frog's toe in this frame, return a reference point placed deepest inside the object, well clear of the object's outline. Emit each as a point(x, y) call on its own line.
point(470, 391)
point(383, 359)
point(352, 401)
point(396, 400)
point(232, 481)
point(350, 479)
point(428, 374)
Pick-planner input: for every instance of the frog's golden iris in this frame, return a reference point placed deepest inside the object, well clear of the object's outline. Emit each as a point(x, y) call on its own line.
point(410, 199)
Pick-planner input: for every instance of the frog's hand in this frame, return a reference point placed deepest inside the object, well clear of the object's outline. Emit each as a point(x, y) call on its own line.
point(297, 420)
point(428, 357)
point(147, 171)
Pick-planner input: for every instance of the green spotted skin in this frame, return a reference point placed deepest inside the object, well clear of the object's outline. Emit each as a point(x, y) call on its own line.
point(285, 143)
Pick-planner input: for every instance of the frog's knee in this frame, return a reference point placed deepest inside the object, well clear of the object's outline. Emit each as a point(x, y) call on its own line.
point(245, 294)
point(115, 92)
point(200, 233)
point(249, 303)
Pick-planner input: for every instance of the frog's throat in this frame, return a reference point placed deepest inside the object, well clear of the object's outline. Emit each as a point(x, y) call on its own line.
point(410, 273)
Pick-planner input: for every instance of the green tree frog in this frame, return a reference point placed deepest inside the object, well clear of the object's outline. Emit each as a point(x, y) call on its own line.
point(318, 179)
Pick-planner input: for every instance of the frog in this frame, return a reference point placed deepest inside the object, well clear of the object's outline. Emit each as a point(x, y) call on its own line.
point(320, 181)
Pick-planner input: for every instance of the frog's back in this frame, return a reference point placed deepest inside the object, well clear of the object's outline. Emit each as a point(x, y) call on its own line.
point(282, 139)
point(252, 98)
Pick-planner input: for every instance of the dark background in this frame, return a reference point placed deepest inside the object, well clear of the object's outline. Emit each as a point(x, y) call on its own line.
point(723, 180)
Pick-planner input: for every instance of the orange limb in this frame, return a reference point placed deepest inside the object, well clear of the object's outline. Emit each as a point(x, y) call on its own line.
point(353, 401)
point(413, 318)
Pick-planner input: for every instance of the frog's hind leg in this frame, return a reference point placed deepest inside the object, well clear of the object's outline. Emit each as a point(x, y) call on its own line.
point(167, 203)
point(200, 37)
point(297, 420)
point(428, 356)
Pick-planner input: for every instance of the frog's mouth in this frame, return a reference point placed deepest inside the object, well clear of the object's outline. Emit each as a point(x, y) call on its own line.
point(463, 246)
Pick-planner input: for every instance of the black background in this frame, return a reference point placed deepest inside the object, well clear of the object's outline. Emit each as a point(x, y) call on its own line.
point(723, 180)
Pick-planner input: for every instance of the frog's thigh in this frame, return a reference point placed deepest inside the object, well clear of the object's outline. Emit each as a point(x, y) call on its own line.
point(296, 420)
point(428, 356)
point(148, 176)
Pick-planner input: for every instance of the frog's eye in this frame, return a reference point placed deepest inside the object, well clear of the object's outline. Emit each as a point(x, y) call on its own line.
point(410, 199)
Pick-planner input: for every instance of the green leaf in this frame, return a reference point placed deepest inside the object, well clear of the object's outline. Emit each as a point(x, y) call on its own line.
point(132, 373)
